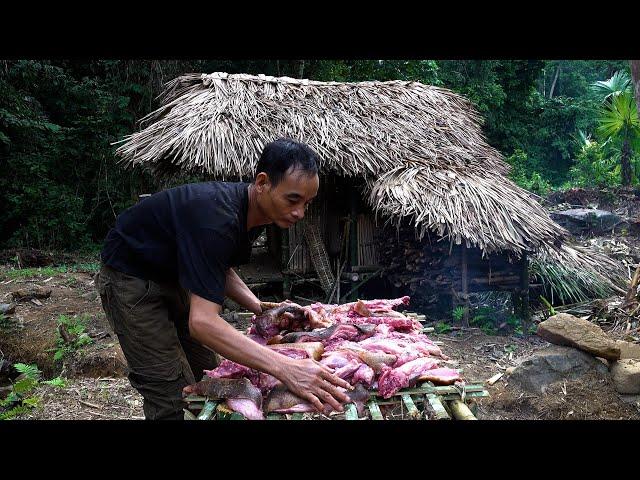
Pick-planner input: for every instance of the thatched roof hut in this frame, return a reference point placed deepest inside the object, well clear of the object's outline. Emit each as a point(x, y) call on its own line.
point(419, 148)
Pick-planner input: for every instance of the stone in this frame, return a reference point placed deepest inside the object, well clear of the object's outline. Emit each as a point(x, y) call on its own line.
point(628, 349)
point(7, 308)
point(566, 329)
point(626, 376)
point(549, 365)
point(582, 220)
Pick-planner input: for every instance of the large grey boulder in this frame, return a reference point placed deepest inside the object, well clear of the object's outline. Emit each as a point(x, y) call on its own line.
point(626, 376)
point(582, 220)
point(566, 329)
point(553, 364)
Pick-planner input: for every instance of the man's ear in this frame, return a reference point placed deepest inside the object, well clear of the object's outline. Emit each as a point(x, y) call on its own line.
point(262, 182)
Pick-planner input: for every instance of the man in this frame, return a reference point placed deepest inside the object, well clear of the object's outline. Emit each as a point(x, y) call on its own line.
point(167, 268)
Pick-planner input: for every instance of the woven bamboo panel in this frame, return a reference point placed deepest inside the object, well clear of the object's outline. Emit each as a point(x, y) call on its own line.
point(367, 251)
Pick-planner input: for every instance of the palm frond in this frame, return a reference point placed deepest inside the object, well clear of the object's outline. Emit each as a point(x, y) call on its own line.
point(619, 82)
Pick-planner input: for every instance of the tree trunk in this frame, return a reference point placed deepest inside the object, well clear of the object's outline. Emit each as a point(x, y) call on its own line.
point(625, 162)
point(635, 76)
point(555, 80)
point(301, 69)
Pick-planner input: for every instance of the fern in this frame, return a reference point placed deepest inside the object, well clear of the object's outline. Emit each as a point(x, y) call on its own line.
point(458, 313)
point(14, 412)
point(30, 371)
point(442, 327)
point(56, 382)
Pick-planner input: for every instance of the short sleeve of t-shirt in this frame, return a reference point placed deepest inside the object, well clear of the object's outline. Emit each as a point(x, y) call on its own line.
point(203, 260)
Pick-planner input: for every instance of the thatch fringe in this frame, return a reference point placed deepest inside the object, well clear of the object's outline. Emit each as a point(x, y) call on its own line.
point(419, 148)
point(572, 273)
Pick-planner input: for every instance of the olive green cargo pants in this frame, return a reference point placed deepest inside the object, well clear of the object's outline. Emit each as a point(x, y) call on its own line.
point(151, 321)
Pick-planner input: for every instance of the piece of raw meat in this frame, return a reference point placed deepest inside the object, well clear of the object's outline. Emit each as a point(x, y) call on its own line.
point(240, 394)
point(393, 379)
point(281, 400)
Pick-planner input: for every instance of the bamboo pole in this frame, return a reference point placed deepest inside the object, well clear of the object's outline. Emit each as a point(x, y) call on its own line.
point(460, 410)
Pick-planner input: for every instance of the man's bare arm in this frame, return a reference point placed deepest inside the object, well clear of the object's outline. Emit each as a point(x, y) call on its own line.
point(306, 378)
point(238, 291)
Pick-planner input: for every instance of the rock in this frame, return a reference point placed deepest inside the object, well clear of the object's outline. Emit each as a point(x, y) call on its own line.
point(626, 376)
point(553, 364)
point(566, 329)
point(583, 220)
point(29, 293)
point(509, 370)
point(7, 308)
point(628, 349)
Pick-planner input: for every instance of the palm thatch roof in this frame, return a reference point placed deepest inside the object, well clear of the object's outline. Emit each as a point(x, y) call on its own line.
point(573, 273)
point(419, 148)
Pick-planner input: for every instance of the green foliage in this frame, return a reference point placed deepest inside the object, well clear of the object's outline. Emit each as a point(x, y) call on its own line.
point(90, 267)
point(458, 313)
point(62, 189)
point(75, 327)
point(551, 310)
point(524, 173)
point(30, 371)
point(5, 322)
point(19, 400)
point(442, 327)
point(57, 382)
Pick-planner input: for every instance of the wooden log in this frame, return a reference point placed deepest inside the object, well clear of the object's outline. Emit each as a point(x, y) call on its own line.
point(460, 410)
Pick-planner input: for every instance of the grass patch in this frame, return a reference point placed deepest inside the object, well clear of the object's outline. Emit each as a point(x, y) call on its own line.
point(21, 273)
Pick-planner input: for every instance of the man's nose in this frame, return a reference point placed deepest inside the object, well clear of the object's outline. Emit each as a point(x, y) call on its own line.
point(298, 213)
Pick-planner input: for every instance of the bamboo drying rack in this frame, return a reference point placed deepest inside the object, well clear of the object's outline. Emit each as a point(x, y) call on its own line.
point(423, 402)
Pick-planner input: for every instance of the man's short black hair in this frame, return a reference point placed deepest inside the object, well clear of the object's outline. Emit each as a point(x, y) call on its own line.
point(284, 153)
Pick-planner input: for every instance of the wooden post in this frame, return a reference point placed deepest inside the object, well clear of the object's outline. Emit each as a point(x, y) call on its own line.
point(353, 238)
point(465, 286)
point(520, 297)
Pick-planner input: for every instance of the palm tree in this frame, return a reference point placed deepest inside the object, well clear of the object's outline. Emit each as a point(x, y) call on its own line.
point(619, 118)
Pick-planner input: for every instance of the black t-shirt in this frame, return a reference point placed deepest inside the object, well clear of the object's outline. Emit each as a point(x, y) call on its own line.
point(191, 234)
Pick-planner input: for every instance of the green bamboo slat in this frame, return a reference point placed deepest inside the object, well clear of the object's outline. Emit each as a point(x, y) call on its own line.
point(275, 416)
point(195, 398)
point(207, 410)
point(467, 395)
point(350, 412)
point(412, 410)
point(297, 416)
point(436, 404)
point(374, 409)
point(445, 389)
point(188, 415)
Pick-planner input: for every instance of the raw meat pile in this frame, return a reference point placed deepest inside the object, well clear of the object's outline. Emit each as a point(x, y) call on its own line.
point(366, 343)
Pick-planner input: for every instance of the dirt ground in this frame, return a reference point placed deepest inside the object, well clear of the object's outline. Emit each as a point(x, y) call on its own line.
point(97, 387)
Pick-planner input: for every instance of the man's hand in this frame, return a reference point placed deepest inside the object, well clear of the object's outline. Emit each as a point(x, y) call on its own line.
point(315, 383)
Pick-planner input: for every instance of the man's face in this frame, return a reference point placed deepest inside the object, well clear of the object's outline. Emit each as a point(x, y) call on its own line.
point(285, 204)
